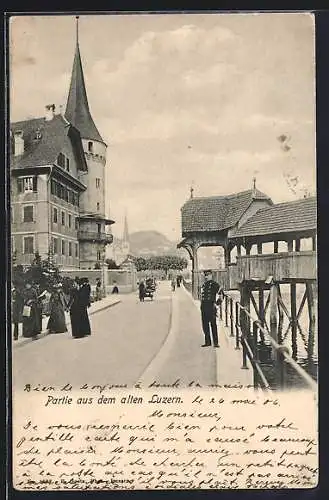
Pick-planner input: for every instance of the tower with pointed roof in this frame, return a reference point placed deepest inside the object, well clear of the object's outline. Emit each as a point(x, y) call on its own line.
point(125, 239)
point(92, 221)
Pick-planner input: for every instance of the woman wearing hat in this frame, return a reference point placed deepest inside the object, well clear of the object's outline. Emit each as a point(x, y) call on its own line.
point(56, 322)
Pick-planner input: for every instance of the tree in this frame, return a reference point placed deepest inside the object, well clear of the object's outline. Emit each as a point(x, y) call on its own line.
point(141, 263)
point(42, 272)
point(161, 262)
point(111, 264)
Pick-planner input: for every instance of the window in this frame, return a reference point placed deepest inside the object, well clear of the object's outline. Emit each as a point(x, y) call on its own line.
point(28, 245)
point(99, 227)
point(63, 218)
point(28, 213)
point(98, 255)
point(90, 147)
point(63, 247)
point(68, 164)
point(27, 184)
point(55, 215)
point(70, 220)
point(76, 223)
point(55, 245)
point(66, 194)
point(61, 160)
point(98, 183)
point(70, 249)
point(97, 206)
point(76, 250)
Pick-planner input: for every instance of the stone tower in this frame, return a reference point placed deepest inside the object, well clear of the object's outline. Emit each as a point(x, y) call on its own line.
point(92, 221)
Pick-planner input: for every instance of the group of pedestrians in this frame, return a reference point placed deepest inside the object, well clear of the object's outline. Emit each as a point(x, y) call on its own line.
point(28, 308)
point(176, 282)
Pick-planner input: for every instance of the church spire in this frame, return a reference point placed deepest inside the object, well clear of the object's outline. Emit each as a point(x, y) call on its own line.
point(125, 230)
point(77, 107)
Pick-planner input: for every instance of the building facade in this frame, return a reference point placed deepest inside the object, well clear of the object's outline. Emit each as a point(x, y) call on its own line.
point(58, 184)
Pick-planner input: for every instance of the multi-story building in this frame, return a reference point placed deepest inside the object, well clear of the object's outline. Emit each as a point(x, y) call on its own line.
point(58, 184)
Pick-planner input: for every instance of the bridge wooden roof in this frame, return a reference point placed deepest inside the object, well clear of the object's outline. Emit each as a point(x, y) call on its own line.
point(291, 217)
point(216, 213)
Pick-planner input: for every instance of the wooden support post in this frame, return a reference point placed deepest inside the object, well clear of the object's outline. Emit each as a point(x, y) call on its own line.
point(261, 311)
point(312, 323)
point(314, 243)
point(237, 326)
point(293, 315)
point(227, 255)
point(290, 245)
point(276, 247)
point(195, 273)
point(255, 351)
point(281, 317)
point(245, 322)
point(231, 318)
point(226, 310)
point(297, 245)
point(248, 248)
point(259, 247)
point(273, 314)
point(238, 249)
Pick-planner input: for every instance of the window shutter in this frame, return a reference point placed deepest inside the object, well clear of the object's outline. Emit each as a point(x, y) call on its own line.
point(35, 184)
point(20, 185)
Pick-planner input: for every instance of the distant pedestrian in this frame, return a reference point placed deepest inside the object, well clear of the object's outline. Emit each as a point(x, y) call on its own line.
point(209, 291)
point(17, 308)
point(173, 284)
point(141, 289)
point(98, 289)
point(115, 288)
point(57, 305)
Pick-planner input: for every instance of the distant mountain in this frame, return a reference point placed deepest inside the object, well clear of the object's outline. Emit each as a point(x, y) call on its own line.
point(143, 243)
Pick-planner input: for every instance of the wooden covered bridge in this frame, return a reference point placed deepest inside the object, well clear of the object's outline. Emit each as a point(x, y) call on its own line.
point(256, 304)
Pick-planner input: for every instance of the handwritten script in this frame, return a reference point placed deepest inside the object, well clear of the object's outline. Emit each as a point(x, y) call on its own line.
point(93, 439)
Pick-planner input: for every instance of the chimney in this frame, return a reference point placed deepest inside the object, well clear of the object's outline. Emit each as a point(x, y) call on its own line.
point(18, 143)
point(50, 112)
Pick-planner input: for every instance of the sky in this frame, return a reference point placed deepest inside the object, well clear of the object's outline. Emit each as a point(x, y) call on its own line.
point(202, 100)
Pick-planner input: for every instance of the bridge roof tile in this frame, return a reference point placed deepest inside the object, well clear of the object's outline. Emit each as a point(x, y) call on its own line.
point(289, 217)
point(216, 213)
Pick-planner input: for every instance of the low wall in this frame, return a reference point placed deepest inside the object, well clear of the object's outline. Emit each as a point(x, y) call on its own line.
point(125, 280)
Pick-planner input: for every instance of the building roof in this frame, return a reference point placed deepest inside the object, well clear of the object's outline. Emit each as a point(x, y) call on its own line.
point(77, 107)
point(289, 217)
point(44, 150)
point(216, 213)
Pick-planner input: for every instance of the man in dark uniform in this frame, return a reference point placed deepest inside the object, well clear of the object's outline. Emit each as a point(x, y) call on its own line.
point(209, 291)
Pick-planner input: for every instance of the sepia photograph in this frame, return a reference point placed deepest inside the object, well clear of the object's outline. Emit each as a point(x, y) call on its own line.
point(163, 249)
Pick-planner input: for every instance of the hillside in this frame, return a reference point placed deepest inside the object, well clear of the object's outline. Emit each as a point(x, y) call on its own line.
point(144, 243)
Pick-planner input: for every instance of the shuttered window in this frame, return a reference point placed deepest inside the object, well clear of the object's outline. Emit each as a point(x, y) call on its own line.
point(28, 245)
point(28, 213)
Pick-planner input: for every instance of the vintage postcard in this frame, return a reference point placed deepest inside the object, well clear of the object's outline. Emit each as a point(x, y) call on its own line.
point(163, 251)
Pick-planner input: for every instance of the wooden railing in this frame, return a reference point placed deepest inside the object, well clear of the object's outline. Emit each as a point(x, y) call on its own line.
point(250, 335)
point(281, 266)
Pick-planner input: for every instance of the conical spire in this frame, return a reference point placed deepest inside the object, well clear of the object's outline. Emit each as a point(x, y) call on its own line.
point(125, 230)
point(77, 108)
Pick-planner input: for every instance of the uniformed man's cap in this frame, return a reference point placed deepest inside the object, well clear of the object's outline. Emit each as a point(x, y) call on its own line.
point(207, 271)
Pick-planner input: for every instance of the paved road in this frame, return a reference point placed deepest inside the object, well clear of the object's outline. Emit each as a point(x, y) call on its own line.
point(152, 341)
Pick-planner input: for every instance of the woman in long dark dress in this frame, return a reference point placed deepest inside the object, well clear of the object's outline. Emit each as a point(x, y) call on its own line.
point(56, 322)
point(31, 320)
point(85, 292)
point(80, 301)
